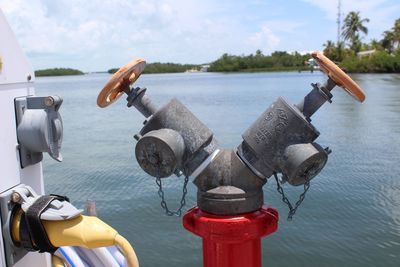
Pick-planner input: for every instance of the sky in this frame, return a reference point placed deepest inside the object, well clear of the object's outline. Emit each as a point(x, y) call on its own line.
point(96, 35)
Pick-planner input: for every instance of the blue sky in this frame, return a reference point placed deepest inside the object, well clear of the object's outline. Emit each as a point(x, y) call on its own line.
point(96, 35)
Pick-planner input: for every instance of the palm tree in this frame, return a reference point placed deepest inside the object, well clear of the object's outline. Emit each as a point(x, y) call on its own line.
point(387, 41)
point(340, 49)
point(330, 50)
point(391, 39)
point(353, 24)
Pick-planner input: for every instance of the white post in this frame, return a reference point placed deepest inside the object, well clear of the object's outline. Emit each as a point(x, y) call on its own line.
point(14, 82)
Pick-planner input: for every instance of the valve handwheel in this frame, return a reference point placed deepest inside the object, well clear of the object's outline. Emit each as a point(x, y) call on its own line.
point(121, 80)
point(339, 76)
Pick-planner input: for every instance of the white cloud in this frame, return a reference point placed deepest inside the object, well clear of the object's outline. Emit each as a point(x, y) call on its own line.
point(265, 40)
point(99, 34)
point(284, 25)
point(115, 31)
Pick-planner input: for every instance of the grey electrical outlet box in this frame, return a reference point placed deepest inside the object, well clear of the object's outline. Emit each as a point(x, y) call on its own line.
point(39, 128)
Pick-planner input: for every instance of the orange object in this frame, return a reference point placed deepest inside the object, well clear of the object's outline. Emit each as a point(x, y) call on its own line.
point(339, 76)
point(124, 77)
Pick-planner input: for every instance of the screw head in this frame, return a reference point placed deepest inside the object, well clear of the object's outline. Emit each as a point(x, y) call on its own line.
point(15, 197)
point(49, 101)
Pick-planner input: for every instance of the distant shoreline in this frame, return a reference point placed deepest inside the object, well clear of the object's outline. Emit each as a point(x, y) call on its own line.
point(228, 72)
point(57, 72)
point(165, 68)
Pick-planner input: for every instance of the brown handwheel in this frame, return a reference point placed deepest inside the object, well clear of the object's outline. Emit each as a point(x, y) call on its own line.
point(120, 80)
point(339, 76)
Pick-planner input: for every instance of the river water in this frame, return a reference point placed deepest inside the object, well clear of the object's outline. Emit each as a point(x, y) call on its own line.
point(350, 217)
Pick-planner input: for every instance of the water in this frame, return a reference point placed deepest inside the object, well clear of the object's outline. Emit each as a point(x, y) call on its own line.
point(351, 215)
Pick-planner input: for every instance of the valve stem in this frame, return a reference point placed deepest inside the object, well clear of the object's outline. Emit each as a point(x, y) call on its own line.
point(316, 98)
point(138, 99)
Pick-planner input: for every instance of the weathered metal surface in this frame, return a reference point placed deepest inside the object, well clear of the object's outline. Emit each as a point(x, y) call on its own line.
point(160, 152)
point(227, 186)
point(174, 140)
point(137, 97)
point(302, 162)
point(196, 136)
point(265, 142)
point(316, 98)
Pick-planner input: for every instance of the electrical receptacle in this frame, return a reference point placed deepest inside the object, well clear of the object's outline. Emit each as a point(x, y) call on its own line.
point(12, 253)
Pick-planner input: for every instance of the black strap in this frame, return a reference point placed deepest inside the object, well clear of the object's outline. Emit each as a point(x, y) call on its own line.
point(60, 197)
point(38, 235)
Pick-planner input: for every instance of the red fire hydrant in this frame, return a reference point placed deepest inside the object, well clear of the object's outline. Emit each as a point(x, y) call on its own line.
point(232, 241)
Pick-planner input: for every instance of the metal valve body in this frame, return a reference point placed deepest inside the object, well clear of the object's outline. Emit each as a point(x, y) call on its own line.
point(230, 181)
point(280, 140)
point(198, 141)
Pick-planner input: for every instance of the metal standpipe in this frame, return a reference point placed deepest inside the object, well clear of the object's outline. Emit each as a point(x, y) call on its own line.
point(230, 216)
point(232, 241)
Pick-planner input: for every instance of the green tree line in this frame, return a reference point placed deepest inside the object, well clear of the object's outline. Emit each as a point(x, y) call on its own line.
point(277, 61)
point(158, 67)
point(58, 72)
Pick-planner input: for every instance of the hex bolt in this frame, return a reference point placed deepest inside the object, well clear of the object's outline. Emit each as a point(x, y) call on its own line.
point(49, 101)
point(178, 173)
point(15, 197)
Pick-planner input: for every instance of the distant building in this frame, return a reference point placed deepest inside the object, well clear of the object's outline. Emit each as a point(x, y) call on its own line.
point(312, 63)
point(367, 53)
point(204, 68)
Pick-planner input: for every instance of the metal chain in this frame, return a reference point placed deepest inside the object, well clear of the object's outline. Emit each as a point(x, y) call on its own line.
point(163, 203)
point(302, 196)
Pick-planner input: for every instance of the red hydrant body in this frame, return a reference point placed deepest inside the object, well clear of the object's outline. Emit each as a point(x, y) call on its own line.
point(232, 241)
